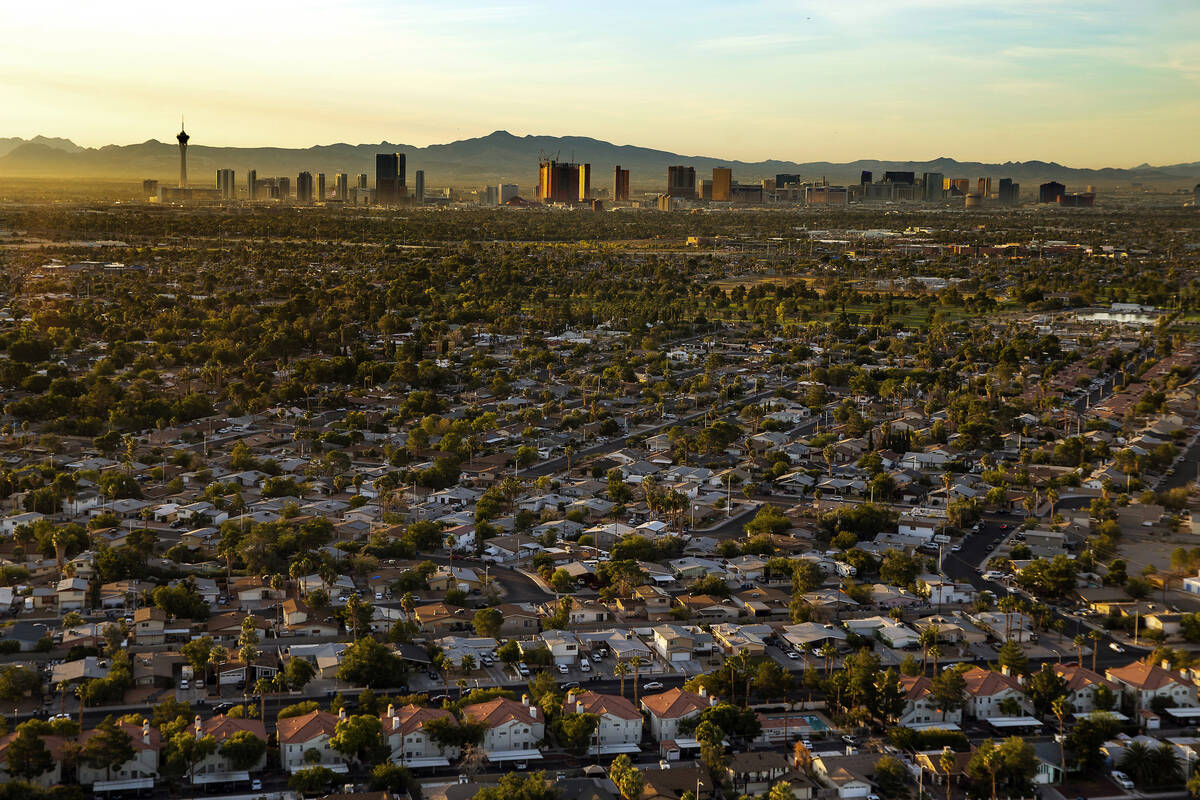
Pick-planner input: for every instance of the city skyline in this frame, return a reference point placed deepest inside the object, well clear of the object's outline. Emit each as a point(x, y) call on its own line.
point(1090, 84)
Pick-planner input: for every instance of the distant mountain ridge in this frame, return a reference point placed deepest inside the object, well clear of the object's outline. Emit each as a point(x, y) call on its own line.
point(501, 156)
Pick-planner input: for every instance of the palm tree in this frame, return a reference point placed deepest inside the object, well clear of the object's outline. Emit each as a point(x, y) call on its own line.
point(934, 653)
point(1095, 636)
point(462, 686)
point(947, 762)
point(261, 687)
point(636, 662)
point(1052, 496)
point(1061, 707)
point(928, 638)
point(1079, 641)
point(1137, 761)
point(828, 651)
point(621, 670)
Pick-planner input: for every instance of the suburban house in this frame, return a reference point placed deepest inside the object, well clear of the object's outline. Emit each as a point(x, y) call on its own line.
point(53, 776)
point(141, 769)
point(410, 744)
point(920, 706)
point(620, 723)
point(1141, 683)
point(513, 729)
point(1082, 684)
point(149, 625)
point(217, 768)
point(311, 731)
point(987, 690)
point(669, 708)
point(677, 643)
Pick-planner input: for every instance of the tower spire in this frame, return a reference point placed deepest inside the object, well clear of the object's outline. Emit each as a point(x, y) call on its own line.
point(182, 138)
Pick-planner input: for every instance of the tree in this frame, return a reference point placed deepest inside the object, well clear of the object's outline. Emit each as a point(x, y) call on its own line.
point(360, 738)
point(109, 746)
point(890, 776)
point(574, 731)
point(949, 689)
point(948, 763)
point(487, 622)
point(627, 778)
point(185, 750)
point(1043, 688)
point(298, 672)
point(16, 683)
point(515, 786)
point(1012, 655)
point(27, 754)
point(392, 778)
point(986, 762)
point(243, 749)
point(311, 780)
point(1087, 736)
point(366, 662)
point(636, 662)
point(1061, 707)
point(621, 669)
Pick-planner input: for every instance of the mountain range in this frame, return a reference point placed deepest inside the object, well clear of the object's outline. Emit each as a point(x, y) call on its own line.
point(501, 156)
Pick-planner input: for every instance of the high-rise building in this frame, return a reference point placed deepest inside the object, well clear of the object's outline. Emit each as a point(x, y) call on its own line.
point(182, 138)
point(390, 186)
point(899, 176)
point(983, 188)
point(784, 179)
point(341, 186)
point(225, 184)
point(1009, 193)
point(420, 186)
point(1051, 192)
point(722, 191)
point(508, 191)
point(284, 188)
point(1196, 195)
point(149, 189)
point(321, 187)
point(620, 184)
point(585, 183)
point(362, 181)
point(956, 187)
point(491, 195)
point(681, 182)
point(252, 185)
point(933, 187)
point(304, 187)
point(560, 182)
point(865, 177)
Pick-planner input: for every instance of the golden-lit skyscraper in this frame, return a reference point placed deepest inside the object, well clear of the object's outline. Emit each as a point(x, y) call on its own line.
point(620, 184)
point(722, 185)
point(561, 182)
point(585, 182)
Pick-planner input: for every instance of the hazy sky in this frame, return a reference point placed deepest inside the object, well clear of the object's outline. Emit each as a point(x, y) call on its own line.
point(1084, 82)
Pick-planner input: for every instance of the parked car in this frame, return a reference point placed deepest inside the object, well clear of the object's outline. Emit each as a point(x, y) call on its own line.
point(585, 665)
point(256, 785)
point(652, 685)
point(1122, 780)
point(563, 669)
point(1116, 648)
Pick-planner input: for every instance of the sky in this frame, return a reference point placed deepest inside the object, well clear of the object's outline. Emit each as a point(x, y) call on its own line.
point(1088, 83)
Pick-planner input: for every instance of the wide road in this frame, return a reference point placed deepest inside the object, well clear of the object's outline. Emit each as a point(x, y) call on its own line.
point(964, 566)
